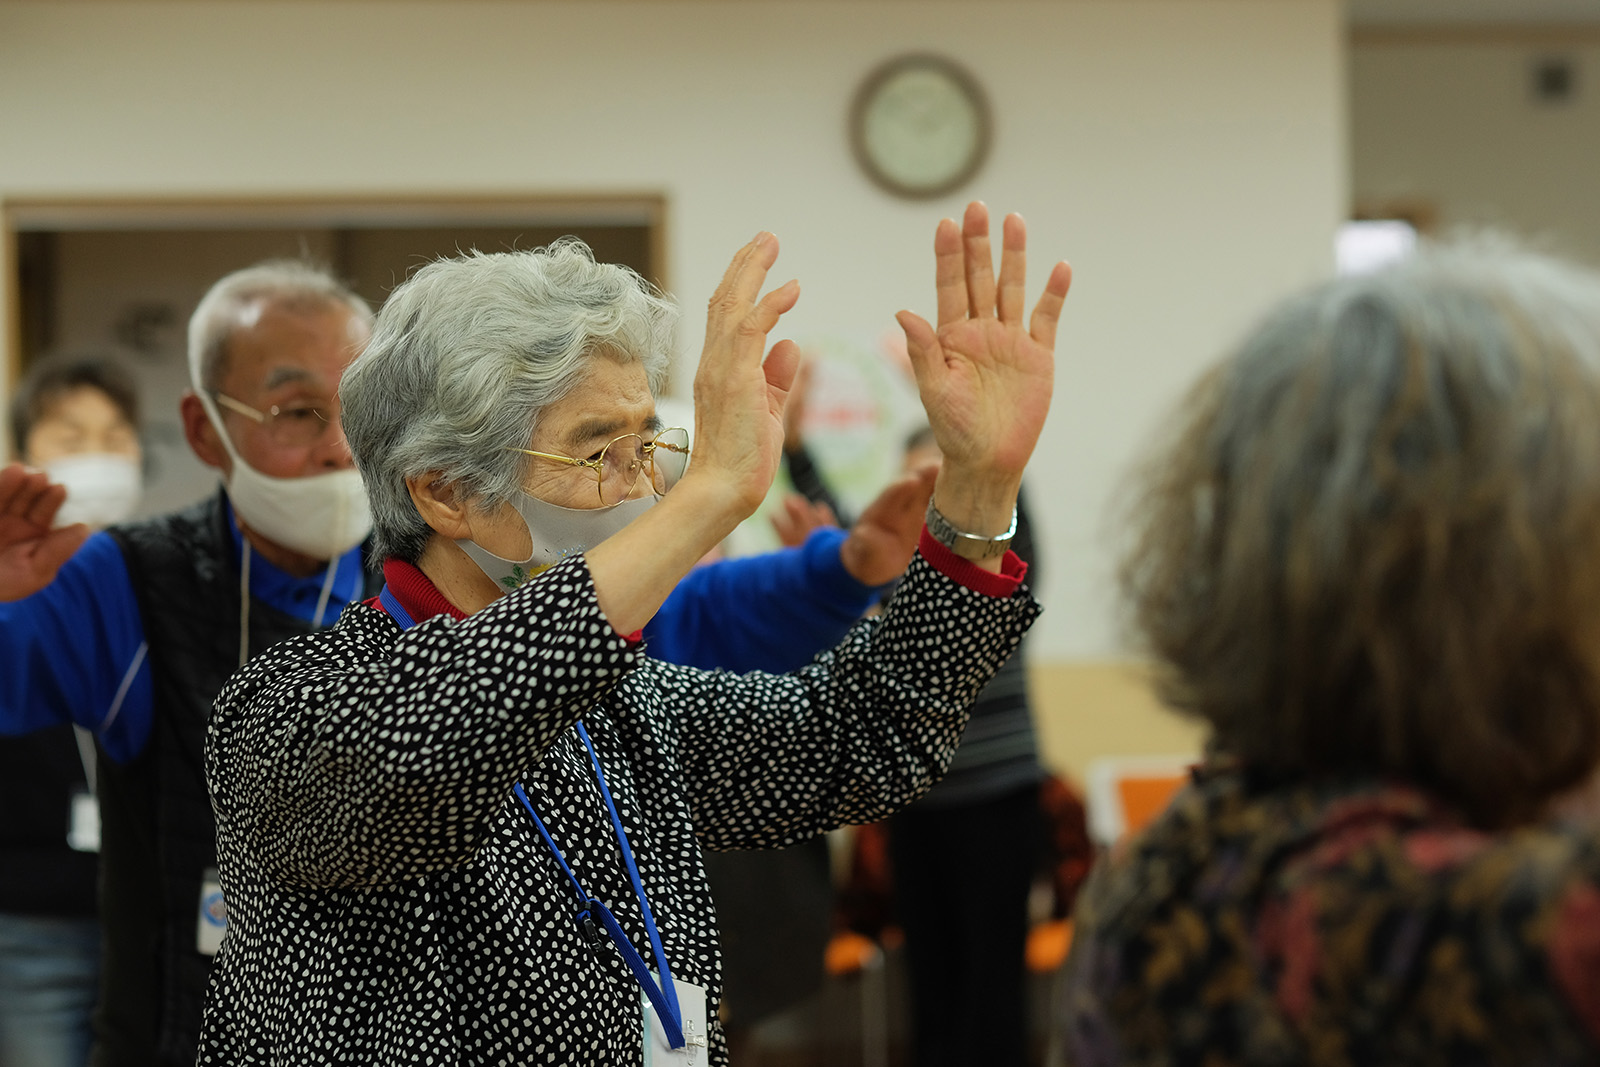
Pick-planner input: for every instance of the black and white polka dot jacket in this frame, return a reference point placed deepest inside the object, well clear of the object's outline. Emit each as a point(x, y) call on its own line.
point(390, 902)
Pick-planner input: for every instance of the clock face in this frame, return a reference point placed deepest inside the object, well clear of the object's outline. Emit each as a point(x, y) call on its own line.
point(920, 126)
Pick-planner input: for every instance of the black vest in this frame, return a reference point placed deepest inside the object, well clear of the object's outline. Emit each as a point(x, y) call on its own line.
point(158, 835)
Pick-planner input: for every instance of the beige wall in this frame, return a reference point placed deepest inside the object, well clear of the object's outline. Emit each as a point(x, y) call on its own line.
point(1187, 155)
point(1450, 121)
point(1088, 710)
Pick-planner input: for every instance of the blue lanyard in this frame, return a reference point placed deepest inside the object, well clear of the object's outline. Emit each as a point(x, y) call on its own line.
point(663, 997)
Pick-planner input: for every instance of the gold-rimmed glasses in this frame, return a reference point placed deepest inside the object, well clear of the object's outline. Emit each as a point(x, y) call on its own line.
point(618, 466)
point(293, 425)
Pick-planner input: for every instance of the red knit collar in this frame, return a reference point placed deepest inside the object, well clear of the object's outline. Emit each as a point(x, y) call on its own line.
point(416, 593)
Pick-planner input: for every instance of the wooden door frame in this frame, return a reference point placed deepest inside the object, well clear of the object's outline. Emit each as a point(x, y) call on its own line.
point(24, 213)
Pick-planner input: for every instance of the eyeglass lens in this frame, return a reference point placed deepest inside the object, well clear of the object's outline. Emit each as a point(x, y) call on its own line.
point(625, 458)
point(298, 424)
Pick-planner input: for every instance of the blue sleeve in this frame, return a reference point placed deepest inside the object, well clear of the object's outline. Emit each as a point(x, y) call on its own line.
point(771, 612)
point(70, 651)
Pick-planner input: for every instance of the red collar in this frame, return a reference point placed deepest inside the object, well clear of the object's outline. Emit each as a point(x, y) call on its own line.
point(416, 593)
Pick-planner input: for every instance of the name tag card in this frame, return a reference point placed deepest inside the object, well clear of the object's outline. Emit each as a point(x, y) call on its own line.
point(696, 1051)
point(213, 920)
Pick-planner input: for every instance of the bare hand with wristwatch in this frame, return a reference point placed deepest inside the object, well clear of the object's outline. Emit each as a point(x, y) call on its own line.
point(985, 377)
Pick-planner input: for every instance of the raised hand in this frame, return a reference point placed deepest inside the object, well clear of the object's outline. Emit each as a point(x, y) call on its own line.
point(984, 374)
point(794, 521)
point(739, 397)
point(30, 551)
point(884, 538)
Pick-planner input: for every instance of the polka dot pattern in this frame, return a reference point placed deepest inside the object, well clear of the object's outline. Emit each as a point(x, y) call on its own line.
point(391, 903)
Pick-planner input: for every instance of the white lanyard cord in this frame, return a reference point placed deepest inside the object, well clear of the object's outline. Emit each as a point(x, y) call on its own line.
point(327, 591)
point(244, 604)
point(85, 755)
point(122, 690)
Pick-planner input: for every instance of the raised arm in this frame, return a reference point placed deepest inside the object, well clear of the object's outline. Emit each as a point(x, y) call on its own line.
point(374, 758)
point(739, 399)
point(985, 375)
point(71, 638)
point(879, 718)
point(774, 611)
point(30, 551)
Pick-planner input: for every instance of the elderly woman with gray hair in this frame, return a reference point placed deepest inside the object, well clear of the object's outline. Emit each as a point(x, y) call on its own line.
point(465, 825)
point(1370, 561)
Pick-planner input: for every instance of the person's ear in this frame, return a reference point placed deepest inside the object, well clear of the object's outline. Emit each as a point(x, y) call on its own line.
point(201, 434)
point(440, 506)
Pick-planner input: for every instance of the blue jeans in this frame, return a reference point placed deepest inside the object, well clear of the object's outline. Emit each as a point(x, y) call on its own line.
point(49, 968)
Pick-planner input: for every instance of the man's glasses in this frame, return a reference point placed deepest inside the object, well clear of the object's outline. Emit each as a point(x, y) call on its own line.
point(619, 465)
point(294, 425)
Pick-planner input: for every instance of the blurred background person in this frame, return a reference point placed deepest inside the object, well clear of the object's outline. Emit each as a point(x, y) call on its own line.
point(1369, 560)
point(77, 420)
point(960, 862)
point(963, 860)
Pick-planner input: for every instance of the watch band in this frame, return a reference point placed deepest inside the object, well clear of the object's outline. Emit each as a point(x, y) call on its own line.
point(966, 545)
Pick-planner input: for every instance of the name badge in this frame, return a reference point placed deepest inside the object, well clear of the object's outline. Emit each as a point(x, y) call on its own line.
point(83, 832)
point(213, 922)
point(696, 1051)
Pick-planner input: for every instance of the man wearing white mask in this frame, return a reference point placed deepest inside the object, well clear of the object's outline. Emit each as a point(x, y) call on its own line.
point(138, 630)
point(134, 634)
point(77, 420)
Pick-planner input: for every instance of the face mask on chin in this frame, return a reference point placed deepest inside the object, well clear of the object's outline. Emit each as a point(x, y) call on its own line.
point(556, 533)
point(321, 516)
point(102, 488)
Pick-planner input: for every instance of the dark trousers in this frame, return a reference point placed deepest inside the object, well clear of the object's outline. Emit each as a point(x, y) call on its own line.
point(961, 881)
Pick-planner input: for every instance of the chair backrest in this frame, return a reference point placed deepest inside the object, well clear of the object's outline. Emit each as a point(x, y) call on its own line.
point(1125, 793)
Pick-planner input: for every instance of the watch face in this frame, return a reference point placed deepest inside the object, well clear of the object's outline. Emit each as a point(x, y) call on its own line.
point(920, 126)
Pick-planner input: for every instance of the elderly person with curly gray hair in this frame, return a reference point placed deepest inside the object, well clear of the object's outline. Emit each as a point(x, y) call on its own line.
point(465, 824)
point(1369, 560)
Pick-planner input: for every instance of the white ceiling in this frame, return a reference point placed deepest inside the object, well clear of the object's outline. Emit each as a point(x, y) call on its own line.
point(1380, 13)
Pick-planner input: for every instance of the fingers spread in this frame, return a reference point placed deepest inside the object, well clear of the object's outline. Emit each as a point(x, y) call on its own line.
point(979, 261)
point(950, 276)
point(765, 315)
point(922, 344)
point(1047, 312)
point(745, 275)
point(1013, 269)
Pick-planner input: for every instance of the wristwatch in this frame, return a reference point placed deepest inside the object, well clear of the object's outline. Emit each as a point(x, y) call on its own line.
point(966, 545)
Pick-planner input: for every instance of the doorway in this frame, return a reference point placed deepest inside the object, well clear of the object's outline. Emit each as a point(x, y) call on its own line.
point(120, 279)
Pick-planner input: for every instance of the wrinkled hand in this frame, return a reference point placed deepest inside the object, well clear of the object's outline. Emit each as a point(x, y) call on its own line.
point(884, 538)
point(739, 397)
point(30, 551)
point(985, 376)
point(798, 517)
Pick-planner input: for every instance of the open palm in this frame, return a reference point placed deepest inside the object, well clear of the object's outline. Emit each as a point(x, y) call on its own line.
point(30, 551)
point(984, 375)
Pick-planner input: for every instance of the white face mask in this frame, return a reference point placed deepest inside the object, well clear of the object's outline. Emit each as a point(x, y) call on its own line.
point(101, 488)
point(322, 516)
point(556, 533)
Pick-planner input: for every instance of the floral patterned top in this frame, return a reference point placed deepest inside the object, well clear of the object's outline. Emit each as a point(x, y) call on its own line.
point(1341, 923)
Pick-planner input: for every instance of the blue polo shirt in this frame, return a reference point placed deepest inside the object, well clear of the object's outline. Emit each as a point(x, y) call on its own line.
point(75, 650)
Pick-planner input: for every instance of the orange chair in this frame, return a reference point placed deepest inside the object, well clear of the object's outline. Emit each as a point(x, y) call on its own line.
point(1126, 793)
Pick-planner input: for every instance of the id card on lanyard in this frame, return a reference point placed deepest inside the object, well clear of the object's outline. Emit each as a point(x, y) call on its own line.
point(671, 1035)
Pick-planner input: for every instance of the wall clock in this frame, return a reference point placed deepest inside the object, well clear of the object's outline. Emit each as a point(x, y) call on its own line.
point(920, 126)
